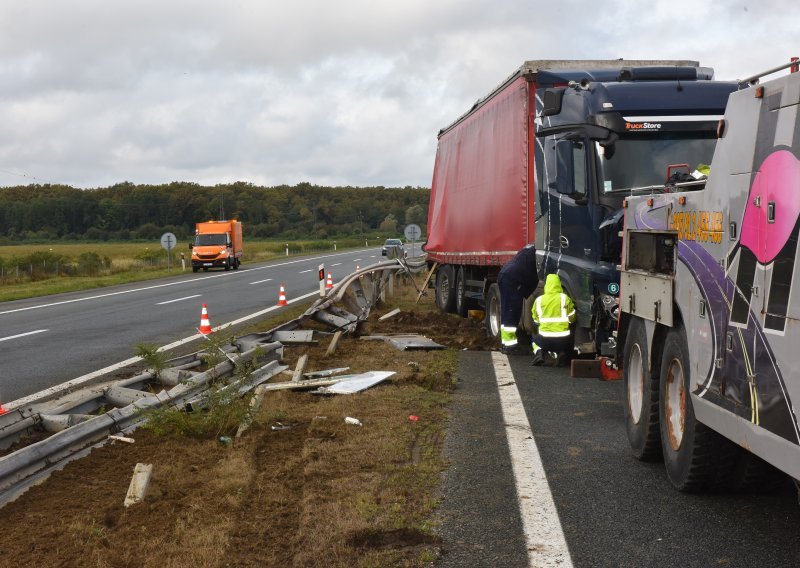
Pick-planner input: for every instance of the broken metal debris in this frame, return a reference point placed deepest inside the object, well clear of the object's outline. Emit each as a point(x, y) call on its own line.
point(325, 373)
point(391, 314)
point(356, 383)
point(406, 342)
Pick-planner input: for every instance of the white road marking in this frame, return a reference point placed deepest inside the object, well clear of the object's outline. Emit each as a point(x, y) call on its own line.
point(356, 260)
point(222, 275)
point(337, 264)
point(22, 334)
point(59, 389)
point(261, 281)
point(178, 299)
point(540, 524)
point(304, 271)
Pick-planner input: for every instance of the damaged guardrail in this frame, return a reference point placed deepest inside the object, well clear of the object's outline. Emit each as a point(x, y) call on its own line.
point(75, 430)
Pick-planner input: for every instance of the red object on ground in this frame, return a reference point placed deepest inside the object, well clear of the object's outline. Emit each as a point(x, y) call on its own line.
point(413, 418)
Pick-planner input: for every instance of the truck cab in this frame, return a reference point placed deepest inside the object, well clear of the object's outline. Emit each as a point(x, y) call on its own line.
point(217, 244)
point(602, 135)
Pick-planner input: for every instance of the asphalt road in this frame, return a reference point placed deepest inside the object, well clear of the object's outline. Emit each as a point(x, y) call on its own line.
point(48, 341)
point(614, 510)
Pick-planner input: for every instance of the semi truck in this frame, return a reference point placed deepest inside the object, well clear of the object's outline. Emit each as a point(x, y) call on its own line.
point(547, 157)
point(217, 244)
point(709, 327)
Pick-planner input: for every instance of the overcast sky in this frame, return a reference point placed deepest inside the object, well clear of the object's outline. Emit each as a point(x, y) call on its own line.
point(95, 92)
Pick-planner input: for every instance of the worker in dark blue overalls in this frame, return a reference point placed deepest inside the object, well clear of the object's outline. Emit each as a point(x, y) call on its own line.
point(517, 280)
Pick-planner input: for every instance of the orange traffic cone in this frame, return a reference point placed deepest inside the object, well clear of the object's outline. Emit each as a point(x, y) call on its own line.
point(282, 298)
point(329, 283)
point(2, 410)
point(205, 325)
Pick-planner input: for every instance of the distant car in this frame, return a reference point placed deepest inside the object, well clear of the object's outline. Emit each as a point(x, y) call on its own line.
point(393, 248)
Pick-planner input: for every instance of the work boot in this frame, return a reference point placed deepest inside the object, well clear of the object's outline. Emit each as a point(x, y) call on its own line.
point(551, 359)
point(563, 360)
point(538, 358)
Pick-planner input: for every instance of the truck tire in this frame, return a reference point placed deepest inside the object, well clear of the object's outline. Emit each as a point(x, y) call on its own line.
point(493, 312)
point(227, 264)
point(695, 456)
point(462, 303)
point(195, 268)
point(236, 264)
point(445, 289)
point(641, 395)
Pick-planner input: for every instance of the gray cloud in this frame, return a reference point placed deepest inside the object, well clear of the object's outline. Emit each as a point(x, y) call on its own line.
point(95, 92)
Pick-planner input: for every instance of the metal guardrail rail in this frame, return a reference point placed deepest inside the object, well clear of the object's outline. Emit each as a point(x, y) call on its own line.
point(75, 422)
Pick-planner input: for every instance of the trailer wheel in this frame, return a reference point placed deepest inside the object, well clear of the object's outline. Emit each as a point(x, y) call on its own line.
point(493, 314)
point(445, 289)
point(695, 456)
point(461, 292)
point(641, 389)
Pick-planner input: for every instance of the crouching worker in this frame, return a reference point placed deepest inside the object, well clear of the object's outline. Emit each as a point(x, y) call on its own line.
point(553, 312)
point(517, 280)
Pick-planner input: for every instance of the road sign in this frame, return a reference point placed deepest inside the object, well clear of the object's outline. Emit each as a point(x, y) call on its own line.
point(413, 232)
point(168, 241)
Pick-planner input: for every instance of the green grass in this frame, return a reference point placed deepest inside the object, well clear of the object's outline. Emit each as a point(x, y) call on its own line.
point(126, 268)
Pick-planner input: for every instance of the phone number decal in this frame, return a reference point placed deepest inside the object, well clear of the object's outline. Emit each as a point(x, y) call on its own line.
point(701, 226)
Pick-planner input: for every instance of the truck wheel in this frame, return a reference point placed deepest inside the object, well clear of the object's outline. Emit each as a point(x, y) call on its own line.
point(461, 292)
point(445, 289)
point(195, 268)
point(696, 458)
point(493, 314)
point(227, 265)
point(641, 389)
point(236, 264)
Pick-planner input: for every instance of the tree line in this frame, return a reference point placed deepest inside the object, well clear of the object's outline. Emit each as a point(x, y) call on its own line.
point(128, 211)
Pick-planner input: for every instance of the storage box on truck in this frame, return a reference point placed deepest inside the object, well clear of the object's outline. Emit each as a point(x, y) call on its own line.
point(710, 301)
point(217, 244)
point(547, 157)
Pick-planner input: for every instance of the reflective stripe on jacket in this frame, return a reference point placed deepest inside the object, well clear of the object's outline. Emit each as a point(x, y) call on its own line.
point(553, 310)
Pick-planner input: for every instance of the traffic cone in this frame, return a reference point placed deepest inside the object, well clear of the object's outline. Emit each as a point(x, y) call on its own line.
point(329, 283)
point(282, 298)
point(205, 325)
point(2, 410)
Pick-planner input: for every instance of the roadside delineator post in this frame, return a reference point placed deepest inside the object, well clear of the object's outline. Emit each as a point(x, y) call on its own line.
point(329, 283)
point(205, 325)
point(282, 297)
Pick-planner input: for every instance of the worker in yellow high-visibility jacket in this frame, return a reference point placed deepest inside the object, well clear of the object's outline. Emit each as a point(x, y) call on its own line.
point(553, 312)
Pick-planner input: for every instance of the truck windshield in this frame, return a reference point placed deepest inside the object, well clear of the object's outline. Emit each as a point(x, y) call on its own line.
point(642, 161)
point(204, 240)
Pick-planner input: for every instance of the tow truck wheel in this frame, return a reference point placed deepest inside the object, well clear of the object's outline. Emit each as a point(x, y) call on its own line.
point(195, 268)
point(493, 314)
point(461, 292)
point(445, 289)
point(696, 457)
point(641, 388)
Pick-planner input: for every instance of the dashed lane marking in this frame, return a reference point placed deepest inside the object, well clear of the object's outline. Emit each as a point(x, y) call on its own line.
point(22, 334)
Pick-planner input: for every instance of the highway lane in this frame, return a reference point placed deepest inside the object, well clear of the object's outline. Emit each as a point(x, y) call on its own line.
point(50, 340)
point(612, 510)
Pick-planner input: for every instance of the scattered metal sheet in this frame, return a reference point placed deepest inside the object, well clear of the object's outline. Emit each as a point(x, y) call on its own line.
point(296, 337)
point(410, 342)
point(356, 383)
point(325, 373)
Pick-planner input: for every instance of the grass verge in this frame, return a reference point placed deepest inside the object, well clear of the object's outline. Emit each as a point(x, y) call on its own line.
point(300, 488)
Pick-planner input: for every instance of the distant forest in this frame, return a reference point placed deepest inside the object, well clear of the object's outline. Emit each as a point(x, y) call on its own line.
point(127, 211)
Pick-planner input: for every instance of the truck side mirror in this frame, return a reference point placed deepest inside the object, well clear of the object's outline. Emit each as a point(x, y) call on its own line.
point(565, 168)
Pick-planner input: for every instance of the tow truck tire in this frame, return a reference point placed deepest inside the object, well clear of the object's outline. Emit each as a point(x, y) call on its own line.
point(195, 268)
point(445, 289)
point(493, 311)
point(695, 456)
point(641, 390)
point(462, 303)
